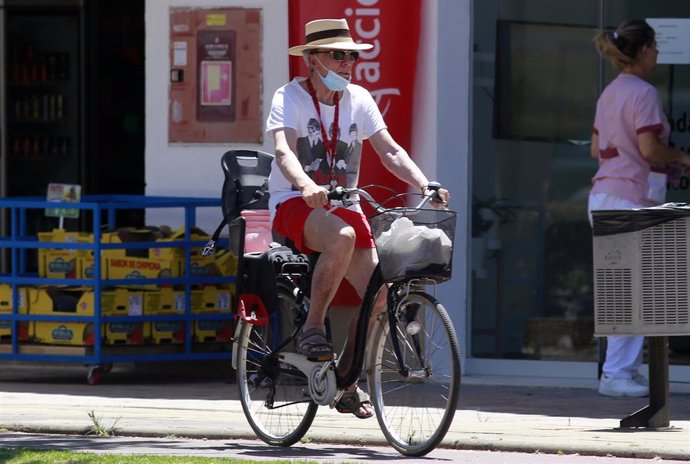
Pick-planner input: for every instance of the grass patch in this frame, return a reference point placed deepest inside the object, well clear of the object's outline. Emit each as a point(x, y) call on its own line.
point(24, 456)
point(100, 429)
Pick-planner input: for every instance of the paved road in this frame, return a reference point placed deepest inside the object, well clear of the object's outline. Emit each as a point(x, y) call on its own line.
point(171, 403)
point(320, 453)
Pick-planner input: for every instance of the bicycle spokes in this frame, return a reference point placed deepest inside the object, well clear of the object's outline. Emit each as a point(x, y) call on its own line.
point(414, 374)
point(274, 395)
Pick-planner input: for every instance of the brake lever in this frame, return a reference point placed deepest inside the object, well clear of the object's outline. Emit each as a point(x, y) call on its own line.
point(434, 187)
point(344, 199)
point(344, 202)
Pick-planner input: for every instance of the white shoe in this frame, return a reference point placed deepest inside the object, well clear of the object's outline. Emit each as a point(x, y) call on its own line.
point(621, 387)
point(640, 380)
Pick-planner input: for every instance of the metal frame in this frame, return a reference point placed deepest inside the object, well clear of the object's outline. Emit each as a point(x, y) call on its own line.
point(18, 242)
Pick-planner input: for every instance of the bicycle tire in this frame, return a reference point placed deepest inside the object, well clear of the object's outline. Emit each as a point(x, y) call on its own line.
point(274, 397)
point(415, 411)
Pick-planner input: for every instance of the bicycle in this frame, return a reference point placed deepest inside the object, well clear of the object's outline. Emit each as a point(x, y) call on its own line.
point(412, 357)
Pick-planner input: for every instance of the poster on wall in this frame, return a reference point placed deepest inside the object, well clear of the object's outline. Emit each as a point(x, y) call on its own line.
point(387, 71)
point(214, 99)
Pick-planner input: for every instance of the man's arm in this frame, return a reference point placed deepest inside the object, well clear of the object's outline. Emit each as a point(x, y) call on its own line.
point(288, 163)
point(396, 160)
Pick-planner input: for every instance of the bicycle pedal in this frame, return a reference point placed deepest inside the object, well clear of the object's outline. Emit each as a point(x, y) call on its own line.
point(258, 381)
point(266, 383)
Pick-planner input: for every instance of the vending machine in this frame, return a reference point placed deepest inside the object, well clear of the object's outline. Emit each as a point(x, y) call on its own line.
point(41, 97)
point(41, 101)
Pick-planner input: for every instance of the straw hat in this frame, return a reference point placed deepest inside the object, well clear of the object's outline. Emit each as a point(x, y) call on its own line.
point(328, 34)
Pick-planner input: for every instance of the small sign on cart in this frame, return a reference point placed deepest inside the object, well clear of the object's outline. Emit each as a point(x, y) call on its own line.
point(63, 193)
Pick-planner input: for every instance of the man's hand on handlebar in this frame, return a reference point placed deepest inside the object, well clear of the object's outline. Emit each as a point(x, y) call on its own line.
point(315, 196)
point(440, 197)
point(433, 193)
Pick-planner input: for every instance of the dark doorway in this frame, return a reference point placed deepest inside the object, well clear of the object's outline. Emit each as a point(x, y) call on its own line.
point(115, 79)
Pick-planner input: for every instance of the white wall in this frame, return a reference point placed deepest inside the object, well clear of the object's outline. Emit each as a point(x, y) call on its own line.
point(442, 128)
point(194, 169)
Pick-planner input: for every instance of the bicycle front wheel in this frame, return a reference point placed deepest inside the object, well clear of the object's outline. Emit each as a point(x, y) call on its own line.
point(274, 396)
point(415, 393)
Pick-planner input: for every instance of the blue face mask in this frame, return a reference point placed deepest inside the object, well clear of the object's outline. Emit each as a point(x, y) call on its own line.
point(333, 81)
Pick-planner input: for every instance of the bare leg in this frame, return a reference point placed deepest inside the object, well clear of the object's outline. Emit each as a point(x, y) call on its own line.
point(345, 359)
point(331, 236)
point(360, 281)
point(335, 240)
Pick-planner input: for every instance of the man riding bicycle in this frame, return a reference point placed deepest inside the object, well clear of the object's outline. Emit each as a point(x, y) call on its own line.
point(302, 177)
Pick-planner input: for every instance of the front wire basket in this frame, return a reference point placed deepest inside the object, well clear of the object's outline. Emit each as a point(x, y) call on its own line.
point(414, 243)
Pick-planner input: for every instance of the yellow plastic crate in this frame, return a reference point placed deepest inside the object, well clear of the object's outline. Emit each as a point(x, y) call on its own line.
point(142, 268)
point(6, 308)
point(120, 302)
point(213, 330)
point(63, 333)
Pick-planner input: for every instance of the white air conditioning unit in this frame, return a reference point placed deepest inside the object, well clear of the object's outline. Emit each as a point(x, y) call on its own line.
point(641, 281)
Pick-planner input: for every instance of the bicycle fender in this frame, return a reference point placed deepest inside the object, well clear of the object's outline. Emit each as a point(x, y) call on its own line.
point(236, 346)
point(257, 315)
point(251, 309)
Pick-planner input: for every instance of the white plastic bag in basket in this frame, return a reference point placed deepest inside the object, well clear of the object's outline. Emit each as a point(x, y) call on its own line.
point(407, 247)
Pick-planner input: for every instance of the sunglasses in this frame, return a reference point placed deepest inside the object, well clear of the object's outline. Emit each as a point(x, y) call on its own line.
point(341, 55)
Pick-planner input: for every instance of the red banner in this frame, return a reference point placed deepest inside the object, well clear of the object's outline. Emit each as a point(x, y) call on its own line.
point(387, 71)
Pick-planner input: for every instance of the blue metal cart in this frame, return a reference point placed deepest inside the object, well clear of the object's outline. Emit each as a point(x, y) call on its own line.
point(16, 243)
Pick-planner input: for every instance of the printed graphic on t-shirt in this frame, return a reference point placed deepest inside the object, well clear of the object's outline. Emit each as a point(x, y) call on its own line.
point(312, 155)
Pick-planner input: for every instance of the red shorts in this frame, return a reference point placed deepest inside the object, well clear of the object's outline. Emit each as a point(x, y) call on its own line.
point(292, 214)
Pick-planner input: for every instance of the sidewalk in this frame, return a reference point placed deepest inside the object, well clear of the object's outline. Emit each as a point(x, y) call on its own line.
point(153, 401)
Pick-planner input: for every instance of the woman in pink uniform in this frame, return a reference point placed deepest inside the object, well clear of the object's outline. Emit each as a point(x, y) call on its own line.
point(630, 136)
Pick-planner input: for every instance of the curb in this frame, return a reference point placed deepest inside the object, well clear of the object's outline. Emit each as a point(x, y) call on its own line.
point(546, 447)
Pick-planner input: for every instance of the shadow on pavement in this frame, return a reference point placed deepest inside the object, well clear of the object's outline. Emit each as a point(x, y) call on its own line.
point(214, 380)
point(235, 449)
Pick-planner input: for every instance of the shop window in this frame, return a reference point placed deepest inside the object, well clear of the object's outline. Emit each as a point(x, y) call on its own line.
point(547, 81)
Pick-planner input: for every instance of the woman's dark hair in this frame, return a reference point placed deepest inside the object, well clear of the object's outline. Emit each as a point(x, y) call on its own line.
point(622, 45)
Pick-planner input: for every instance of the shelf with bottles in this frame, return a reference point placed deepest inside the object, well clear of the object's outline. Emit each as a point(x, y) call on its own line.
point(28, 66)
point(37, 108)
point(39, 147)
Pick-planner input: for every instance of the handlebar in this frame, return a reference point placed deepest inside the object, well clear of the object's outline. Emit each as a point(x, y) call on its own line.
point(344, 195)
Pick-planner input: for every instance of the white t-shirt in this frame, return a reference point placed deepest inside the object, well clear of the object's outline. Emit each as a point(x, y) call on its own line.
point(292, 107)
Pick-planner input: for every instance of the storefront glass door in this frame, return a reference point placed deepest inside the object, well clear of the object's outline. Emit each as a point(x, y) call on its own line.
point(536, 80)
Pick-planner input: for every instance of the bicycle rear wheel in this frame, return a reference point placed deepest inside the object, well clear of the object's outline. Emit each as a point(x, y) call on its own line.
point(274, 396)
point(415, 405)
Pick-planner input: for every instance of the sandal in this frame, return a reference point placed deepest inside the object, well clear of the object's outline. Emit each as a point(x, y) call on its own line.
point(315, 346)
point(355, 402)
